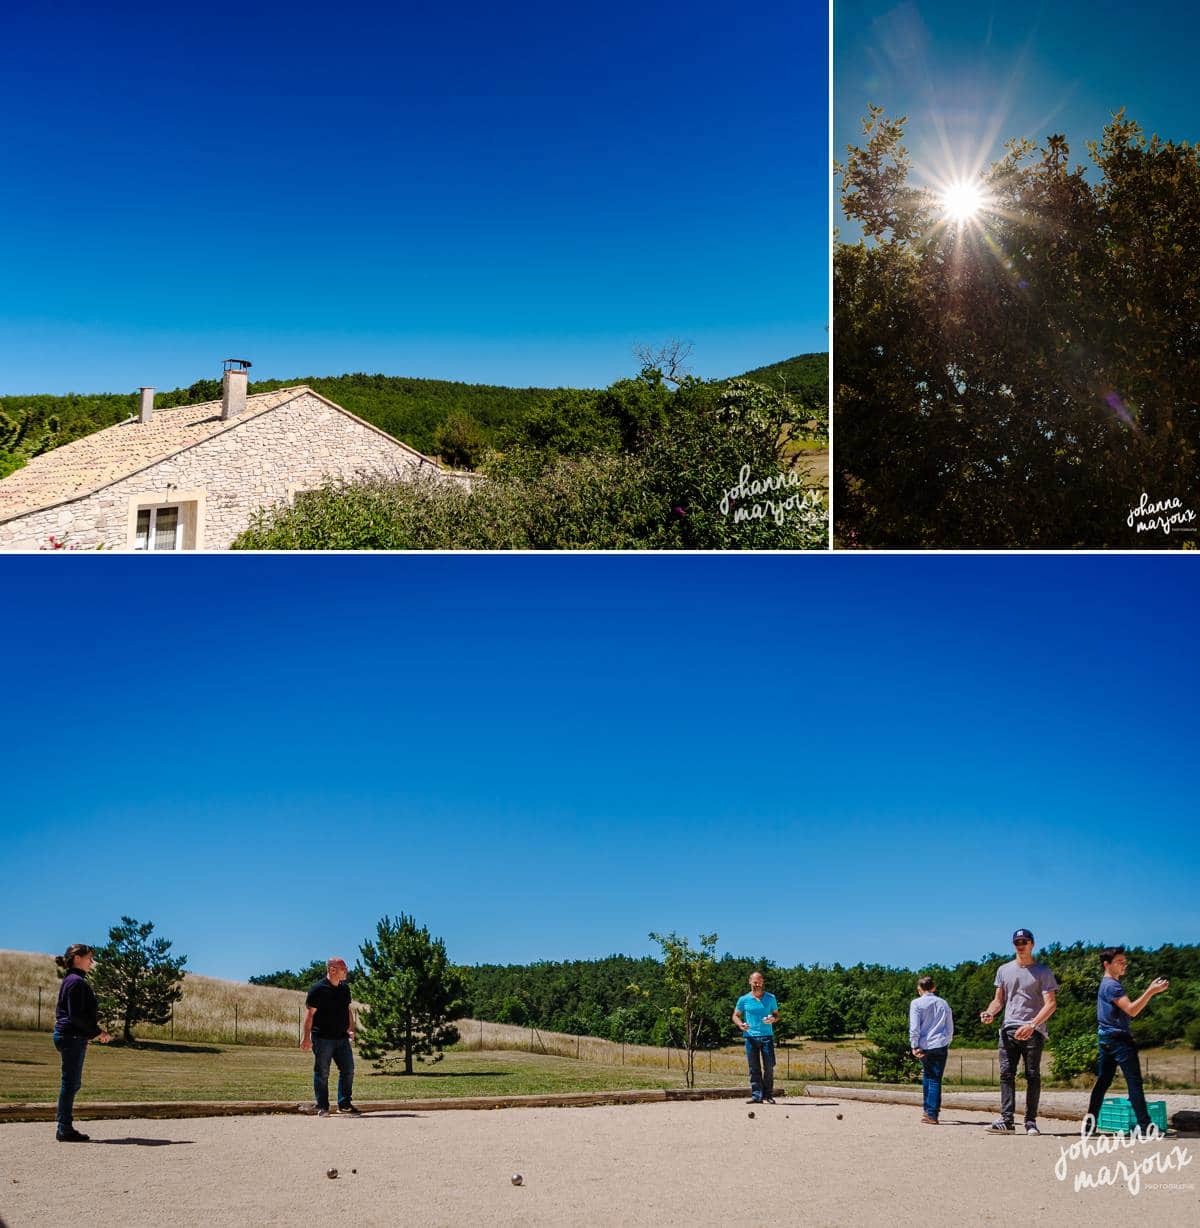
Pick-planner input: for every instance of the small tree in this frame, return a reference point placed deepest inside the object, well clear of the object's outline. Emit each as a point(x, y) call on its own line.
point(691, 979)
point(460, 441)
point(891, 1061)
point(411, 991)
point(137, 980)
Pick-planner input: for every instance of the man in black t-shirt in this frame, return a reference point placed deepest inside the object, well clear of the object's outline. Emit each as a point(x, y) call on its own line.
point(328, 1032)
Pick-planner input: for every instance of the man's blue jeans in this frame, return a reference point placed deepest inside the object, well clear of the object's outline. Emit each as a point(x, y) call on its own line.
point(341, 1054)
point(933, 1066)
point(73, 1050)
point(760, 1057)
point(1119, 1049)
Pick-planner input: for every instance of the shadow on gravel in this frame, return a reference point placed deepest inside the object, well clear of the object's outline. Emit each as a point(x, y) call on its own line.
point(144, 1142)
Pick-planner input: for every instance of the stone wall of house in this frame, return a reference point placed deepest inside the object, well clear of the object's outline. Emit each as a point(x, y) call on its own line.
point(256, 464)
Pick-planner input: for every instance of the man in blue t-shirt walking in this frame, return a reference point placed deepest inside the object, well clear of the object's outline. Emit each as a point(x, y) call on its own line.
point(1114, 1010)
point(755, 1014)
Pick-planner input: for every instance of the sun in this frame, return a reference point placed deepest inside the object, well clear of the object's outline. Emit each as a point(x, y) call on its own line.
point(962, 201)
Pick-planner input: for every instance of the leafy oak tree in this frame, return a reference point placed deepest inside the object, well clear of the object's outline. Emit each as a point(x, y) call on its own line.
point(412, 993)
point(136, 979)
point(1022, 377)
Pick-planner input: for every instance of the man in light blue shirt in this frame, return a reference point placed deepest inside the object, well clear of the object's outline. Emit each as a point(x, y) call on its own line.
point(760, 1011)
point(930, 1031)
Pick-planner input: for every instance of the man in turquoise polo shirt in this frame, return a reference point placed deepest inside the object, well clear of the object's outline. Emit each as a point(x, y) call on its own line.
point(755, 1014)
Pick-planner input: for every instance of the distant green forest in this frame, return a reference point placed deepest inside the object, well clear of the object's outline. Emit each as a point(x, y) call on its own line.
point(431, 415)
point(621, 998)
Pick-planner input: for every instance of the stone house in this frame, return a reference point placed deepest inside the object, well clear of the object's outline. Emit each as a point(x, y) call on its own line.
point(191, 478)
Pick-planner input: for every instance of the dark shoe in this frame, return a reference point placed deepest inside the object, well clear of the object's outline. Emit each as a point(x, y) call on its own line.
point(322, 1112)
point(769, 1099)
point(1031, 1128)
point(349, 1111)
point(71, 1136)
point(1002, 1127)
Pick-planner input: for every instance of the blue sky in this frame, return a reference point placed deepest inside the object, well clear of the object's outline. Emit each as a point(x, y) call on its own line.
point(511, 194)
point(893, 759)
point(970, 77)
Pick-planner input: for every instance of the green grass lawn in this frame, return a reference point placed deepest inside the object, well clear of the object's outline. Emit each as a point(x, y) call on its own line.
point(29, 1071)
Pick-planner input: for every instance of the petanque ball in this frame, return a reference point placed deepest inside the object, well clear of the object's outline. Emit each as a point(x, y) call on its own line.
point(751, 1113)
point(517, 1179)
point(354, 1170)
point(839, 1117)
point(331, 1173)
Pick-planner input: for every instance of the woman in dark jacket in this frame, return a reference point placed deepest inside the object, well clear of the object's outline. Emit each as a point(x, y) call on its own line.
point(76, 1021)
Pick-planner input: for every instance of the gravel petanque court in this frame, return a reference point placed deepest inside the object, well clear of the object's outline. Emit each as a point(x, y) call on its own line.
point(672, 1163)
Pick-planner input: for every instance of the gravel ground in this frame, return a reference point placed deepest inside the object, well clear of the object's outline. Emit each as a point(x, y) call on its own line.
point(675, 1163)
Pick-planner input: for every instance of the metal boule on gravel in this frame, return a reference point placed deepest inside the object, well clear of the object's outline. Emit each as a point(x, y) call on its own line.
point(331, 1173)
point(517, 1179)
point(751, 1113)
point(839, 1117)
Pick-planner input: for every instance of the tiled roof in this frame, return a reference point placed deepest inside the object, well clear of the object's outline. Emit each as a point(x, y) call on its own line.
point(99, 459)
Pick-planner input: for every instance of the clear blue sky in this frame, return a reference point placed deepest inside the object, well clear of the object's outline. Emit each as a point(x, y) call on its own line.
point(514, 194)
point(970, 76)
point(888, 759)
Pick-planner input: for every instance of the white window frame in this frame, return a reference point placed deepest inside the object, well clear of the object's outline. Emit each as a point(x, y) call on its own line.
point(191, 506)
point(151, 548)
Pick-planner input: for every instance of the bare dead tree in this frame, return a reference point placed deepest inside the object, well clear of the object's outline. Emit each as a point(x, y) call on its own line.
point(670, 359)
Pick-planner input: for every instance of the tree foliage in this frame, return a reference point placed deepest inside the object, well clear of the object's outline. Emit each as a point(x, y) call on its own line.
point(1022, 380)
point(639, 465)
point(690, 978)
point(411, 991)
point(136, 978)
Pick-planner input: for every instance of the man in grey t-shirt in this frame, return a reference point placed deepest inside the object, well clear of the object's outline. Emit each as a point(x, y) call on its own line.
point(1029, 994)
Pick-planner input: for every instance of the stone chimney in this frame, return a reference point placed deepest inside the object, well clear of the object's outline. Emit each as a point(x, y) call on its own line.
point(233, 388)
point(146, 411)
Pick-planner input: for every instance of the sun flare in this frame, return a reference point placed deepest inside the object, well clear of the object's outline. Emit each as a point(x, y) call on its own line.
point(962, 201)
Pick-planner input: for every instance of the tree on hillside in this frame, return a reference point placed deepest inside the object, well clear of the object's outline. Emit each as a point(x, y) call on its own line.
point(136, 979)
point(690, 975)
point(411, 991)
point(460, 441)
point(1023, 377)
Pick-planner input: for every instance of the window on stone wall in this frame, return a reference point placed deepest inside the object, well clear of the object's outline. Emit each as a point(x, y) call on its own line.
point(159, 528)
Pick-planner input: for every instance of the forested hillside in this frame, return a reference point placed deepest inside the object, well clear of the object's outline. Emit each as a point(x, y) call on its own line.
point(434, 416)
point(622, 998)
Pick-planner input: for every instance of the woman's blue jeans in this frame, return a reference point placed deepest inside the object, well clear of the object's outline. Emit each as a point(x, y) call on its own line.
point(73, 1050)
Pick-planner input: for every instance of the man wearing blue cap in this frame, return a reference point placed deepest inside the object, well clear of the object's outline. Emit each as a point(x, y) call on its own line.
point(1028, 993)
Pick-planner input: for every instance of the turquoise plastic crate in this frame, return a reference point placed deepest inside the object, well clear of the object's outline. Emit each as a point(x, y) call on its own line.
point(1117, 1116)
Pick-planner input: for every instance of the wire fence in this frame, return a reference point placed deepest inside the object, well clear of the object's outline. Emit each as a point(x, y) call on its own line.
point(256, 1019)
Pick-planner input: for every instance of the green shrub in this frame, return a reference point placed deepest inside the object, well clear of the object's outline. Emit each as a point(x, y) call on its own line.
point(1073, 1053)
